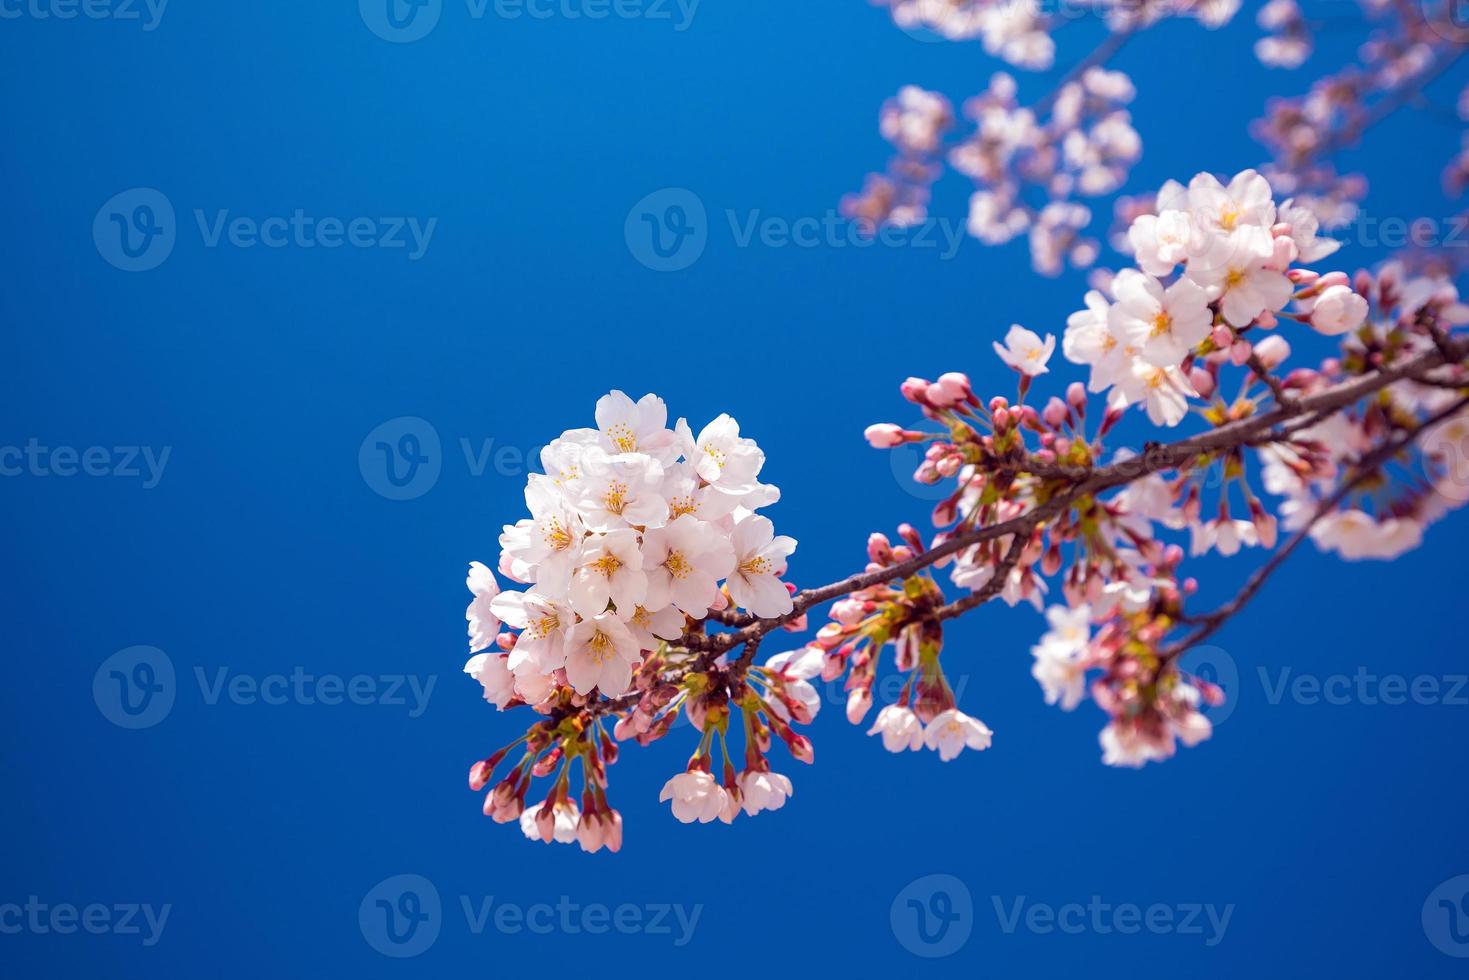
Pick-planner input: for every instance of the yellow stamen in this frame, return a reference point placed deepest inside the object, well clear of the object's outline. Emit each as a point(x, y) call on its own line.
point(678, 566)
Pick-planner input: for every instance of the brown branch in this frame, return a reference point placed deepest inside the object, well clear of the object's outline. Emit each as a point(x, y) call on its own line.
point(1272, 426)
point(1365, 468)
point(1090, 481)
point(1276, 386)
point(1391, 102)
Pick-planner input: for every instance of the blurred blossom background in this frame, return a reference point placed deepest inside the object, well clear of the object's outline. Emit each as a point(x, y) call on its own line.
point(509, 156)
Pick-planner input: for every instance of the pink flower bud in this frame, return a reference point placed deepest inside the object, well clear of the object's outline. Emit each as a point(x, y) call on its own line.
point(1202, 381)
point(1056, 413)
point(950, 389)
point(1286, 252)
point(884, 435)
point(910, 534)
point(1273, 351)
point(879, 549)
point(801, 748)
point(1076, 397)
point(915, 390)
point(1338, 310)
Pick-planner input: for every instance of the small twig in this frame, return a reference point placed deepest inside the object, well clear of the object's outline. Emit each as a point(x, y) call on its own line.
point(1366, 467)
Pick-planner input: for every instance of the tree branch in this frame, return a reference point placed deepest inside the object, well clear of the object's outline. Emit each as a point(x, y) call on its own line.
point(1365, 468)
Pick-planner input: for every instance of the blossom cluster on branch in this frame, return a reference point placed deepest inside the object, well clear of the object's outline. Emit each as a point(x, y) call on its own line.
point(1034, 166)
point(651, 583)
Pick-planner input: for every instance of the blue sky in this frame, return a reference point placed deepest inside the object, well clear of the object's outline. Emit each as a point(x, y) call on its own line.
point(264, 550)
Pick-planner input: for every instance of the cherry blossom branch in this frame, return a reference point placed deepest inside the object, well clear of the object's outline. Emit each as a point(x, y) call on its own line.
point(1100, 55)
point(1394, 100)
point(1211, 622)
point(1260, 429)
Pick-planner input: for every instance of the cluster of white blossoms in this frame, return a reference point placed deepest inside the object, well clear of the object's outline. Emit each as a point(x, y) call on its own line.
point(1016, 31)
point(1214, 260)
point(634, 528)
point(1084, 147)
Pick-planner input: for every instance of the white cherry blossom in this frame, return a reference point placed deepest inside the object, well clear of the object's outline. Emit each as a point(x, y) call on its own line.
point(494, 676)
point(600, 653)
point(722, 458)
point(760, 561)
point(695, 796)
point(684, 562)
point(900, 729)
point(952, 731)
point(611, 570)
point(1164, 324)
point(635, 427)
point(763, 791)
point(483, 624)
point(1024, 350)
